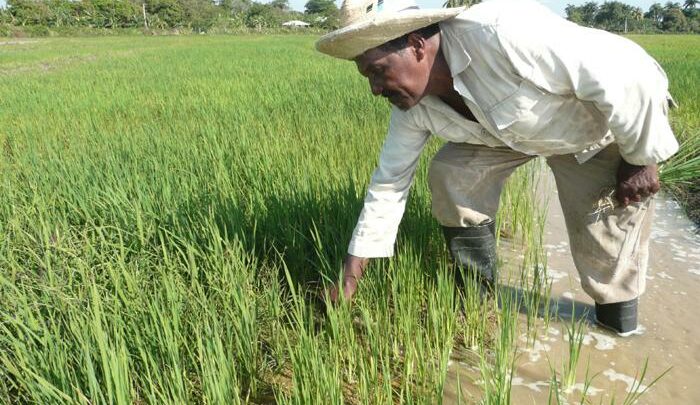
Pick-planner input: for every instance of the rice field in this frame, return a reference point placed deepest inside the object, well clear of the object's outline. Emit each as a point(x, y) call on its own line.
point(170, 208)
point(680, 57)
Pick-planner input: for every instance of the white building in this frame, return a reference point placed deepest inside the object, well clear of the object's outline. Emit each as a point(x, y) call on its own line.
point(296, 23)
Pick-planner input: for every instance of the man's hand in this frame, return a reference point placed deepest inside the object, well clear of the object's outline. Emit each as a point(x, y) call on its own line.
point(353, 268)
point(635, 183)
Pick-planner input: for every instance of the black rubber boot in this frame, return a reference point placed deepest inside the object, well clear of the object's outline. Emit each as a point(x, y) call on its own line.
point(473, 251)
point(620, 317)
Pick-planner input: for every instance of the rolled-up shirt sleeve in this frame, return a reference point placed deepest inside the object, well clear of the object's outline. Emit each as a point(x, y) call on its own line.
point(377, 226)
point(613, 73)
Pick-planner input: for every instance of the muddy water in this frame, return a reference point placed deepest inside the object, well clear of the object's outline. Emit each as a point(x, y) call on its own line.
point(669, 325)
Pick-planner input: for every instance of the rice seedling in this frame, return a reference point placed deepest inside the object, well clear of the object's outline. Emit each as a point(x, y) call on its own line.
point(497, 366)
point(575, 331)
point(556, 390)
point(638, 388)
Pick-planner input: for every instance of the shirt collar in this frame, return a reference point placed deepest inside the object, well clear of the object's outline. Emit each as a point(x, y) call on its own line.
point(455, 54)
point(433, 102)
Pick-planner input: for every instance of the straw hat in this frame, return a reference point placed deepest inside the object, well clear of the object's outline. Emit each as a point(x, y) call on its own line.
point(366, 24)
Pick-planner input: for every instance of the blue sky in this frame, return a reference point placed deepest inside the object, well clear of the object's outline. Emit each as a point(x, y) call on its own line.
point(556, 5)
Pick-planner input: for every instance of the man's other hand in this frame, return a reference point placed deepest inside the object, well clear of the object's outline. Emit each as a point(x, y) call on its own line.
point(634, 183)
point(353, 268)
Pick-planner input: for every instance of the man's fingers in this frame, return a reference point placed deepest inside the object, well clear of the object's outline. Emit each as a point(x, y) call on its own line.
point(650, 190)
point(622, 195)
point(655, 188)
point(332, 294)
point(627, 194)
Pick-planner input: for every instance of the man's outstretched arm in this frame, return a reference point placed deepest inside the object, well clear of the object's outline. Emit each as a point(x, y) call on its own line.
point(377, 225)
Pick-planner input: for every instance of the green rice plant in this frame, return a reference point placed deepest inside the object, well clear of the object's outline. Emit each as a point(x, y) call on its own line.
point(476, 314)
point(575, 331)
point(498, 364)
point(554, 392)
point(525, 217)
point(684, 167)
point(587, 381)
point(555, 388)
point(638, 389)
point(520, 208)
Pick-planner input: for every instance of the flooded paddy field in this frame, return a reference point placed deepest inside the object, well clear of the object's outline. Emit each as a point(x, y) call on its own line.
point(171, 206)
point(668, 318)
point(609, 365)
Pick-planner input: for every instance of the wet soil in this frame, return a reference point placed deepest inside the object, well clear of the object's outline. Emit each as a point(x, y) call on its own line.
point(668, 337)
point(689, 197)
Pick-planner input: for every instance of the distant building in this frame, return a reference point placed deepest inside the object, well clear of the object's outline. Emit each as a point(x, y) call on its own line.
point(296, 23)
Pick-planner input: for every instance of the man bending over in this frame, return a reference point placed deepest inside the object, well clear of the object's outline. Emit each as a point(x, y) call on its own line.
point(503, 82)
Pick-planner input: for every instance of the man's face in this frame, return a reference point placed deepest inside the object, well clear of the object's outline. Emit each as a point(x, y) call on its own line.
point(395, 75)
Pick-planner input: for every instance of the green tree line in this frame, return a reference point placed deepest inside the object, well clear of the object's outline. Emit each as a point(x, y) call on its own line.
point(197, 15)
point(203, 15)
point(620, 17)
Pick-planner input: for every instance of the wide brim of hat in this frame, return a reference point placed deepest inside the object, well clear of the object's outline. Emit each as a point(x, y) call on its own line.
point(351, 41)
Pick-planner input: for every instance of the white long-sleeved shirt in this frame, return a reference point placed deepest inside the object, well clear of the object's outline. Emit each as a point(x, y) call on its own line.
point(536, 83)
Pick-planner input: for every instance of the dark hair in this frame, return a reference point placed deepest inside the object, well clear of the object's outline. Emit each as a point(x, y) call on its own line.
point(400, 43)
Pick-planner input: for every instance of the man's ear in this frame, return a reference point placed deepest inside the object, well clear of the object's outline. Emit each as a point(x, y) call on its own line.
point(416, 44)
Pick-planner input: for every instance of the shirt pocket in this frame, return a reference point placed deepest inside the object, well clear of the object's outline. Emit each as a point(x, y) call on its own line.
point(517, 107)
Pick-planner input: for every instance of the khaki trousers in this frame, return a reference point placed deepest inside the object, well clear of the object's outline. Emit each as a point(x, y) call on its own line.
point(609, 244)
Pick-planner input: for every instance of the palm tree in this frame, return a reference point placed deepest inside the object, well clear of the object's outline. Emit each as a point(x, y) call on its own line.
point(690, 4)
point(672, 6)
point(655, 13)
point(460, 3)
point(636, 13)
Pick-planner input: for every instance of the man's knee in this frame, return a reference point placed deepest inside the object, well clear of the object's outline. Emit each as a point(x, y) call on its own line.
point(454, 203)
point(438, 174)
point(450, 167)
